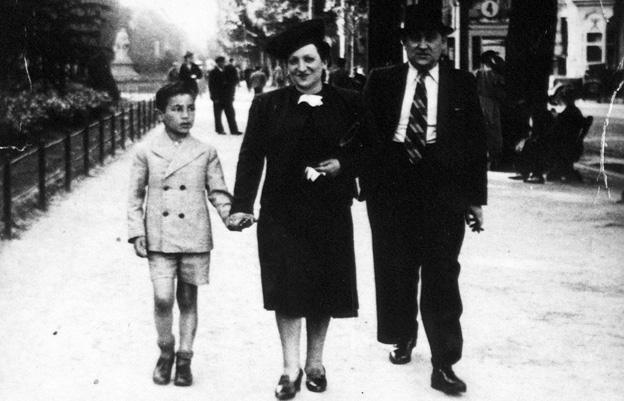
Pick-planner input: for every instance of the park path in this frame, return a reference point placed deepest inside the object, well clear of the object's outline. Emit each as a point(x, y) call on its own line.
point(542, 289)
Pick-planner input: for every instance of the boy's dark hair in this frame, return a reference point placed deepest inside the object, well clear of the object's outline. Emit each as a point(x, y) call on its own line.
point(170, 90)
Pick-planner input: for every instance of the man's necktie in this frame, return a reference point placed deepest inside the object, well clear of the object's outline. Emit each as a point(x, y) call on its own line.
point(416, 132)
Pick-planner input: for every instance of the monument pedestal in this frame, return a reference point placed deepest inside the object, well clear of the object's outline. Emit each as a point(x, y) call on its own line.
point(124, 72)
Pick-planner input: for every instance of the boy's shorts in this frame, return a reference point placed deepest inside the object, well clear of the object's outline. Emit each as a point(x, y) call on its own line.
point(191, 268)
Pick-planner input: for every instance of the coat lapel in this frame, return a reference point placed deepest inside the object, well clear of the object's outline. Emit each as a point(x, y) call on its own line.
point(187, 151)
point(443, 102)
point(162, 146)
point(396, 93)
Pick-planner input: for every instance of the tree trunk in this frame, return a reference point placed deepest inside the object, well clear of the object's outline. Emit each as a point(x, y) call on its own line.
point(384, 47)
point(529, 54)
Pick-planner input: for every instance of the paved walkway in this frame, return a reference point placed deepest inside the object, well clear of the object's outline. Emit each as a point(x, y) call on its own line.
point(542, 289)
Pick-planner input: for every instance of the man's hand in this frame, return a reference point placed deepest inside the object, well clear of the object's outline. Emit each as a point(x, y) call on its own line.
point(140, 246)
point(239, 221)
point(474, 218)
point(330, 167)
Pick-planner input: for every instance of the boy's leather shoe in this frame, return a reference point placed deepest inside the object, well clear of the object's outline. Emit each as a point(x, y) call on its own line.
point(183, 375)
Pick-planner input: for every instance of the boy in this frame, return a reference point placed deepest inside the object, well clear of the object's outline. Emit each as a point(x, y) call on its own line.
point(171, 175)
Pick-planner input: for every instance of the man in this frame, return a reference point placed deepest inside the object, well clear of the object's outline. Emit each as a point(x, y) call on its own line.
point(340, 76)
point(190, 72)
point(257, 80)
point(424, 181)
point(222, 96)
point(279, 80)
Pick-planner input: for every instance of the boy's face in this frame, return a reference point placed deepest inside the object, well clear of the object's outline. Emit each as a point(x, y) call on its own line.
point(179, 115)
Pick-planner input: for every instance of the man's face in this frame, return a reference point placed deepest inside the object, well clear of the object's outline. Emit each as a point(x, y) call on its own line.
point(423, 48)
point(179, 115)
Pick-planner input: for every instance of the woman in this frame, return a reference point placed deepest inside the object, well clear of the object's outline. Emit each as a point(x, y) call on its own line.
point(305, 132)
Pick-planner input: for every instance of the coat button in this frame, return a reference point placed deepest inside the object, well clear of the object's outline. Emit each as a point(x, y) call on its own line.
point(182, 187)
point(166, 187)
point(181, 215)
point(165, 213)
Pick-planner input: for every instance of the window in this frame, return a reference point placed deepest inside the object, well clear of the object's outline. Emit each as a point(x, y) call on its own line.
point(595, 47)
point(594, 54)
point(594, 37)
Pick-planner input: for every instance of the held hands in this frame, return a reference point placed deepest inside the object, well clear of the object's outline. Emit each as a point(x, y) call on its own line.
point(140, 246)
point(474, 218)
point(329, 167)
point(239, 221)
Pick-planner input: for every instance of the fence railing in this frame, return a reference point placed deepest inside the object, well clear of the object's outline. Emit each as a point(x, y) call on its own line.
point(38, 172)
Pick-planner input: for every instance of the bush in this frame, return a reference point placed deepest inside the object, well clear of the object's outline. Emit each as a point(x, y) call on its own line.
point(26, 114)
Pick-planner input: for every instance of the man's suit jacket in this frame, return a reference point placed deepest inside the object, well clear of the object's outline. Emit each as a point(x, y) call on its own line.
point(217, 85)
point(460, 164)
point(173, 183)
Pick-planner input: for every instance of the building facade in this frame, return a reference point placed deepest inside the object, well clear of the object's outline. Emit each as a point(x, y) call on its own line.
point(590, 33)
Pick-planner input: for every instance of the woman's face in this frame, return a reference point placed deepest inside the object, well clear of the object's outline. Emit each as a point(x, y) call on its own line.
point(305, 67)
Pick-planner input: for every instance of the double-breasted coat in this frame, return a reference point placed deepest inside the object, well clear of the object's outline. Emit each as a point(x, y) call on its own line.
point(170, 186)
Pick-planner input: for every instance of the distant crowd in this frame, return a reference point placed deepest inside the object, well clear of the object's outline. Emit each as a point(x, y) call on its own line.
point(223, 78)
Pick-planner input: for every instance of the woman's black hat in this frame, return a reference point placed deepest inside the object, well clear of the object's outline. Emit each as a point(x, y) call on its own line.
point(424, 17)
point(285, 43)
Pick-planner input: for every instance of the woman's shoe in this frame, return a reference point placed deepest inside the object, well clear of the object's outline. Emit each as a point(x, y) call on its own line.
point(287, 389)
point(316, 381)
point(183, 375)
point(162, 371)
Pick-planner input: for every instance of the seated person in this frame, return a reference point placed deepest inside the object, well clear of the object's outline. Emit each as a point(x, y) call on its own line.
point(564, 139)
point(532, 151)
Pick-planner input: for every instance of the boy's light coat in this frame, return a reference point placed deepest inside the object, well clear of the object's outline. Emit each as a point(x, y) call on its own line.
point(168, 193)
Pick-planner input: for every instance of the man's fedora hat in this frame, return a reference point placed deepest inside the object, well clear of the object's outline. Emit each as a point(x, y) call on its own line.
point(188, 54)
point(283, 44)
point(423, 17)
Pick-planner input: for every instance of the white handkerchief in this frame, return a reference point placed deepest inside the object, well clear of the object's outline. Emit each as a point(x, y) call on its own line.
point(312, 174)
point(312, 100)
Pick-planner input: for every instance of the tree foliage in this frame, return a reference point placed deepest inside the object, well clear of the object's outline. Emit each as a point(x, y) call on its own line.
point(49, 40)
point(248, 23)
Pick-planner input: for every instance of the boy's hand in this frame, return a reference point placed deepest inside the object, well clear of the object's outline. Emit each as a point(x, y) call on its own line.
point(239, 221)
point(140, 247)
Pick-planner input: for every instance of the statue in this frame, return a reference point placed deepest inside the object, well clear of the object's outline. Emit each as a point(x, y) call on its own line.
point(122, 66)
point(121, 47)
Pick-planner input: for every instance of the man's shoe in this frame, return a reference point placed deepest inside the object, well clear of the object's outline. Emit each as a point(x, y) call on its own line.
point(535, 179)
point(183, 375)
point(316, 380)
point(402, 352)
point(237, 133)
point(287, 389)
point(162, 371)
point(445, 380)
point(221, 132)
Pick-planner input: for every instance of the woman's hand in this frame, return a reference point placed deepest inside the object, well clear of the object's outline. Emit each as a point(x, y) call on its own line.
point(140, 246)
point(331, 167)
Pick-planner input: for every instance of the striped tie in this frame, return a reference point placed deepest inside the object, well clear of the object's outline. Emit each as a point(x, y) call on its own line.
point(416, 132)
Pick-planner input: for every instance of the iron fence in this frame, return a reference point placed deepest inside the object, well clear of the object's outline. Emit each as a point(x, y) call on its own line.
point(31, 177)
